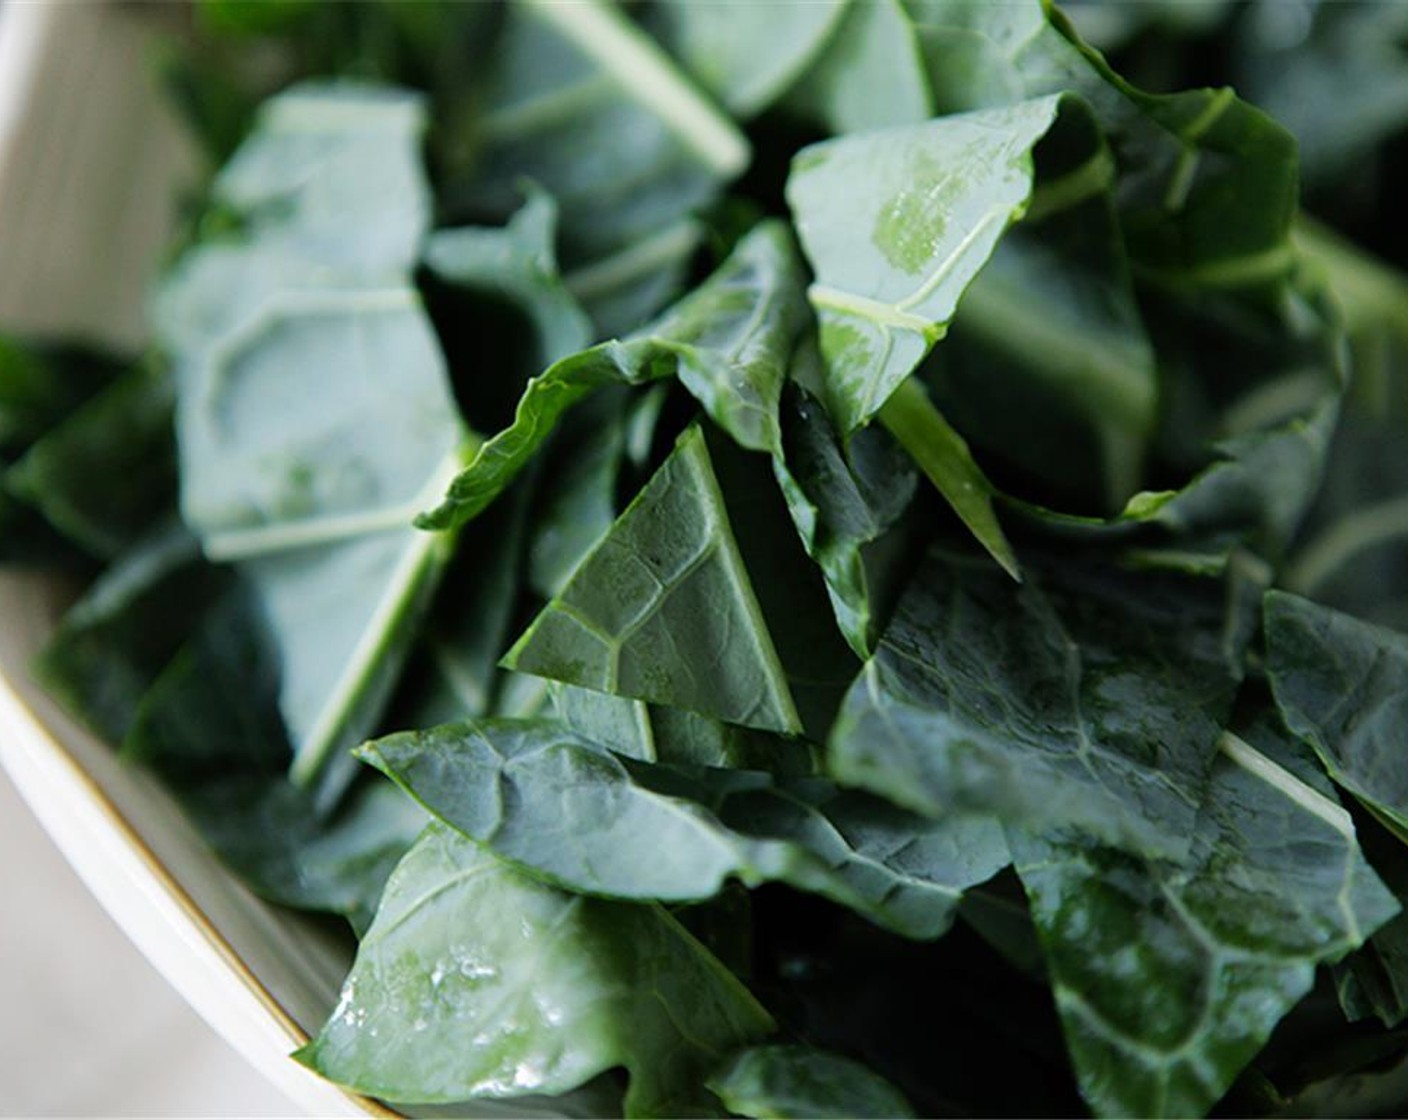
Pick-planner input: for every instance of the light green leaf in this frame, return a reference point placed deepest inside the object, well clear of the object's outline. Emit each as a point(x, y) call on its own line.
point(796, 1082)
point(669, 566)
point(567, 809)
point(943, 455)
point(1342, 687)
point(870, 74)
point(728, 342)
point(314, 413)
point(1088, 697)
point(896, 225)
point(1170, 978)
point(744, 54)
point(476, 981)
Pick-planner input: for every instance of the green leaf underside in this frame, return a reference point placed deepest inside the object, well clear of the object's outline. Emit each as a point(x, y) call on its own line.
point(728, 342)
point(476, 981)
point(1342, 687)
point(1170, 978)
point(564, 807)
point(796, 1082)
point(1090, 698)
point(668, 568)
point(310, 490)
point(896, 224)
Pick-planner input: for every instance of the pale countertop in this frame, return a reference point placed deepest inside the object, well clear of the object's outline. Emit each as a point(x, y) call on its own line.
point(89, 1028)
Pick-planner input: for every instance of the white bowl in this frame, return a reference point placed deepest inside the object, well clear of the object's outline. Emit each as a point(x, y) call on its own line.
point(91, 168)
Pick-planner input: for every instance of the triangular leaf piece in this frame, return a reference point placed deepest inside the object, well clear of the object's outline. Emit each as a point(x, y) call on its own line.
point(668, 568)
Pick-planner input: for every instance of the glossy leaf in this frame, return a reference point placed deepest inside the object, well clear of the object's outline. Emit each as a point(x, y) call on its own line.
point(476, 981)
point(896, 224)
point(1087, 697)
point(567, 809)
point(793, 1082)
point(728, 342)
point(1170, 978)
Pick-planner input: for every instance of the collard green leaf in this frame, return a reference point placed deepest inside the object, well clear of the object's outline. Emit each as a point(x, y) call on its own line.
point(40, 386)
point(896, 224)
point(576, 499)
point(848, 501)
point(1049, 366)
point(518, 263)
point(314, 413)
point(728, 342)
point(1342, 687)
point(669, 566)
point(1170, 978)
point(114, 642)
point(943, 455)
point(870, 74)
point(1088, 697)
point(793, 1082)
point(659, 733)
point(476, 981)
point(565, 808)
point(567, 83)
point(746, 55)
point(105, 474)
point(210, 727)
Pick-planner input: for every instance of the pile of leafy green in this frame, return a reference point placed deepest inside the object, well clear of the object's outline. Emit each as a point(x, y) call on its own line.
point(818, 559)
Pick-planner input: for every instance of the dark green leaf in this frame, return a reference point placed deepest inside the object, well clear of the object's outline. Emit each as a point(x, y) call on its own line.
point(314, 413)
point(108, 471)
point(728, 342)
point(1089, 697)
point(794, 1082)
point(669, 565)
point(113, 643)
point(1342, 687)
point(848, 501)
